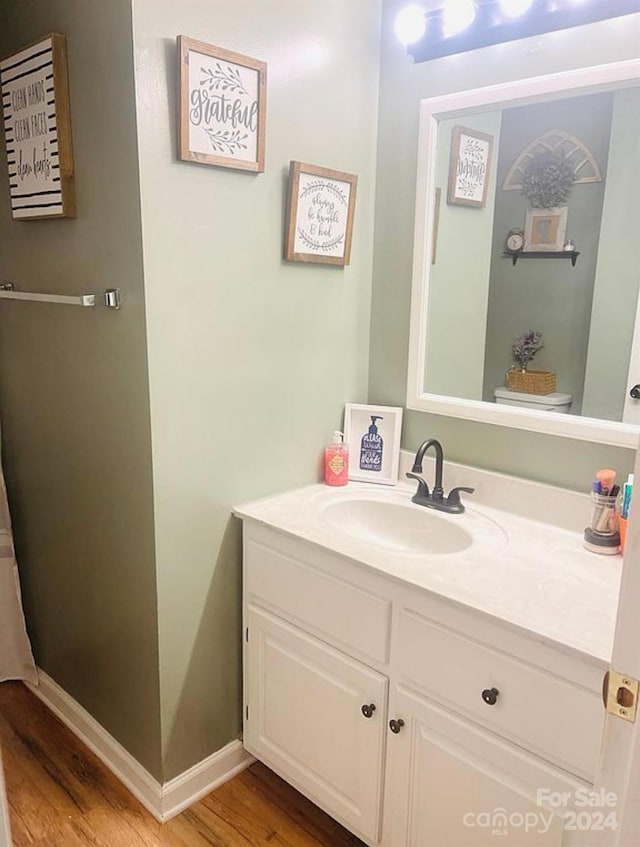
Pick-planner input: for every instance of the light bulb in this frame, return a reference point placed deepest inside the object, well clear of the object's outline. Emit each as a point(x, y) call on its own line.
point(515, 8)
point(457, 15)
point(410, 24)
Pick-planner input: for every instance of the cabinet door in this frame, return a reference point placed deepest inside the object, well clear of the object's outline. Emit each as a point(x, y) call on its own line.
point(304, 704)
point(451, 784)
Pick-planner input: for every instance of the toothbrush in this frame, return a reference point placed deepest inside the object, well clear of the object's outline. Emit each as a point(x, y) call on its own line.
point(626, 496)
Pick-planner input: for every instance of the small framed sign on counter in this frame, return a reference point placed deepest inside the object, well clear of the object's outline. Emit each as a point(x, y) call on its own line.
point(222, 106)
point(373, 436)
point(320, 210)
point(37, 129)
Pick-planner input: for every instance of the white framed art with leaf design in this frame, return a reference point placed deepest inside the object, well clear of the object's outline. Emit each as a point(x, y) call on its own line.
point(222, 107)
point(320, 208)
point(469, 167)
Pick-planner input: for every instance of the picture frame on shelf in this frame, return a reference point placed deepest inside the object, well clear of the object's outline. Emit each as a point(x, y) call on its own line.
point(222, 107)
point(545, 230)
point(469, 167)
point(373, 436)
point(320, 209)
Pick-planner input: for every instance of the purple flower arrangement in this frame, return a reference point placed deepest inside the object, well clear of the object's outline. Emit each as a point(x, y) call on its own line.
point(526, 346)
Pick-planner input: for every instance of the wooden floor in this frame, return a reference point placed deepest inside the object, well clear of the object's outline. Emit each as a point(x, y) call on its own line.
point(60, 795)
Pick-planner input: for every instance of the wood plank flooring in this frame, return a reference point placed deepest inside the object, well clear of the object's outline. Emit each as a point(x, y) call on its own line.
point(60, 795)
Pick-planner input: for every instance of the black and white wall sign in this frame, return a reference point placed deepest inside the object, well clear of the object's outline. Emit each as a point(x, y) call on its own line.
point(35, 107)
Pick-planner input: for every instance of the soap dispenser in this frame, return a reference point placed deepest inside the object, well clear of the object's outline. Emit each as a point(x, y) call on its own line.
point(371, 447)
point(336, 461)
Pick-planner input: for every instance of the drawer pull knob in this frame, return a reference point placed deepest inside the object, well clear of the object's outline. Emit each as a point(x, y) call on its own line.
point(368, 711)
point(396, 726)
point(490, 696)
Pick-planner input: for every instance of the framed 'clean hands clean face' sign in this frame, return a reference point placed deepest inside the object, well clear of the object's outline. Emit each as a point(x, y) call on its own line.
point(222, 107)
point(37, 129)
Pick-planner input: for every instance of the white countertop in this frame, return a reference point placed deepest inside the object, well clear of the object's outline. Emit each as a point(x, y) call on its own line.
point(534, 575)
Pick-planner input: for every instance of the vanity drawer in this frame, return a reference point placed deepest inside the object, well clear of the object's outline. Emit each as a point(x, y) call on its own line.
point(320, 602)
point(545, 714)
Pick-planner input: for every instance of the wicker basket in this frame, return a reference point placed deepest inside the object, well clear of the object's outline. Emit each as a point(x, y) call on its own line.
point(531, 382)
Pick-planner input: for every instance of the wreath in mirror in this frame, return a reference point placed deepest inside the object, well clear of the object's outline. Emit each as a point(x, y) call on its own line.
point(547, 179)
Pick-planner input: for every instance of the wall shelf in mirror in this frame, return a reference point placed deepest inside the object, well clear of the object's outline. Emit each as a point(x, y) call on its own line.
point(530, 254)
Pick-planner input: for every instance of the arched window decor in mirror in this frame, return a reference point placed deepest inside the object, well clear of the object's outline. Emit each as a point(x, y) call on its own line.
point(584, 166)
point(473, 294)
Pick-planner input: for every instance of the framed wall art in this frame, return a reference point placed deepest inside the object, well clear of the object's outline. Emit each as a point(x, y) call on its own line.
point(222, 107)
point(469, 166)
point(373, 435)
point(320, 209)
point(545, 230)
point(37, 128)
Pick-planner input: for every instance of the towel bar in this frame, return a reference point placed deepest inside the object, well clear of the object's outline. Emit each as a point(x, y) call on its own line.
point(111, 297)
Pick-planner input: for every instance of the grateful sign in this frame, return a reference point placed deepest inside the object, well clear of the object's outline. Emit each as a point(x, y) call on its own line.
point(222, 106)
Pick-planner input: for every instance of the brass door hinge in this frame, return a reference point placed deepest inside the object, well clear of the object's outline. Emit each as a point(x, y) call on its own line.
point(620, 695)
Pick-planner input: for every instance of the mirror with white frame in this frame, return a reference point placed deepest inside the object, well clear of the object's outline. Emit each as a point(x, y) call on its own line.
point(555, 161)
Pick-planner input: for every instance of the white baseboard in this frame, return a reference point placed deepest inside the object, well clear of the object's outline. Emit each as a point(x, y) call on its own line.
point(163, 801)
point(201, 779)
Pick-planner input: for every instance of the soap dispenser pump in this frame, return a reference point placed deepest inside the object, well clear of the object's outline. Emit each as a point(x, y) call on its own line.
point(371, 447)
point(336, 461)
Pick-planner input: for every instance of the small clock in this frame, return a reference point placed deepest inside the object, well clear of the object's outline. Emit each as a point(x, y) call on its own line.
point(515, 241)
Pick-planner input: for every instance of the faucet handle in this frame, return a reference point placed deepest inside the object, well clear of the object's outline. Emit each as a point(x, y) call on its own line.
point(423, 488)
point(453, 499)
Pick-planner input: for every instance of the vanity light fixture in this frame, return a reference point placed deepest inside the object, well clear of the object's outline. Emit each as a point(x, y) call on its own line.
point(462, 25)
point(410, 24)
point(457, 16)
point(515, 8)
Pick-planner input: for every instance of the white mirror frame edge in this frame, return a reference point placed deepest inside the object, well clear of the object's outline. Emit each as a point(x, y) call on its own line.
point(552, 86)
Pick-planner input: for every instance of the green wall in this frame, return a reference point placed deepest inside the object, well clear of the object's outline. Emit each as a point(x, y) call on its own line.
point(565, 462)
point(615, 294)
point(122, 472)
point(550, 296)
point(74, 399)
point(251, 358)
point(459, 281)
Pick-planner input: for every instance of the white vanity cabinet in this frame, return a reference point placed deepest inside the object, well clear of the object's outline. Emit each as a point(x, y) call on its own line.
point(452, 783)
point(414, 721)
point(317, 717)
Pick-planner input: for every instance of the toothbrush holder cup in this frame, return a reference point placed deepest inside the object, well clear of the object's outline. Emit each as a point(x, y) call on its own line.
point(604, 514)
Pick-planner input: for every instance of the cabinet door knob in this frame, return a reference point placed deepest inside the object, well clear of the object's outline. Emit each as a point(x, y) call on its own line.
point(396, 726)
point(635, 392)
point(368, 711)
point(490, 696)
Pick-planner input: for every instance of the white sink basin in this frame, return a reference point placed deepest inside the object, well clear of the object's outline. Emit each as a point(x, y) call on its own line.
point(397, 527)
